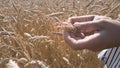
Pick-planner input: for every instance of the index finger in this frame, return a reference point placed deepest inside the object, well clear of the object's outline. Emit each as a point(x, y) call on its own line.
point(84, 18)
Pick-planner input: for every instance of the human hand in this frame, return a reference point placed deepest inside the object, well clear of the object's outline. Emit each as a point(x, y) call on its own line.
point(99, 33)
point(68, 26)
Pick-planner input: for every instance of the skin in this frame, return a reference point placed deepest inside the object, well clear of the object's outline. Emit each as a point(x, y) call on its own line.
point(94, 33)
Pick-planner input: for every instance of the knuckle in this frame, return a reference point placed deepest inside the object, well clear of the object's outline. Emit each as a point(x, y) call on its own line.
point(71, 18)
point(102, 21)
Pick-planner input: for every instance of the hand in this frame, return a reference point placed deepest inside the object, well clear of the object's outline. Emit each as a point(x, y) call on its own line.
point(69, 27)
point(100, 32)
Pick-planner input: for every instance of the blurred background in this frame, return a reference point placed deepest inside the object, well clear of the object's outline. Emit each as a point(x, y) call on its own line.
point(27, 27)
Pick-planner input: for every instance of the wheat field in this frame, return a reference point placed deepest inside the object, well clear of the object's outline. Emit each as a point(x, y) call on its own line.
point(27, 28)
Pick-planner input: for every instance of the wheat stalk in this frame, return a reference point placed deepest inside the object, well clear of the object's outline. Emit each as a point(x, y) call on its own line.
point(108, 14)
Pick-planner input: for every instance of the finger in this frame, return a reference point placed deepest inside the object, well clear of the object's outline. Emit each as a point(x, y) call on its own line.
point(67, 26)
point(88, 26)
point(70, 40)
point(81, 18)
point(77, 35)
point(101, 17)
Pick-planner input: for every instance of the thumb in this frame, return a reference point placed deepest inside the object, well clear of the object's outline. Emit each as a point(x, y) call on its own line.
point(88, 26)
